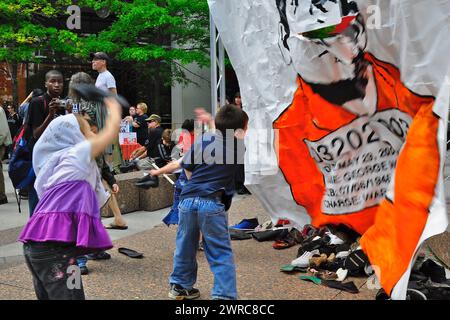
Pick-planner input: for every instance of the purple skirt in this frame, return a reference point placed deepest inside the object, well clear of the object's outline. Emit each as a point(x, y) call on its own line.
point(69, 213)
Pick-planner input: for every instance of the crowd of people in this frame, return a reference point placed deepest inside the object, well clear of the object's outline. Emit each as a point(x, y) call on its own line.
point(73, 145)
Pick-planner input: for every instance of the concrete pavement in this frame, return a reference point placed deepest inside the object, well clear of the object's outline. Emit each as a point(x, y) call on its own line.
point(258, 264)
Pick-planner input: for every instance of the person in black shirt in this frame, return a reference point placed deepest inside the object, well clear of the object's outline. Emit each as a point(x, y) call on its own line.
point(13, 121)
point(154, 134)
point(155, 150)
point(13, 124)
point(162, 153)
point(139, 124)
point(41, 111)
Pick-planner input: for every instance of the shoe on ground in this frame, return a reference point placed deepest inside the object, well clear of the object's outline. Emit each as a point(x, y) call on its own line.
point(84, 270)
point(127, 167)
point(246, 224)
point(342, 274)
point(23, 193)
point(303, 260)
point(177, 292)
point(334, 240)
point(356, 261)
point(342, 251)
point(282, 223)
point(434, 271)
point(103, 255)
point(147, 182)
point(317, 260)
point(413, 294)
point(265, 226)
point(243, 190)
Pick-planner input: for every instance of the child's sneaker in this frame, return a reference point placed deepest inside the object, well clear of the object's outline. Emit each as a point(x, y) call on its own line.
point(84, 270)
point(246, 224)
point(177, 292)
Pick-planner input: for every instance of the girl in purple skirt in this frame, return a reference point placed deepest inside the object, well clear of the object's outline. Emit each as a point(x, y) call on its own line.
point(67, 222)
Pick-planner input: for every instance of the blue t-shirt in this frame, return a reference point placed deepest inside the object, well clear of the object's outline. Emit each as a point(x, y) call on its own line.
point(213, 162)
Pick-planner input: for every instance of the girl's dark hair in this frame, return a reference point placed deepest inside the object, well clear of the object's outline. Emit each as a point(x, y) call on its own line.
point(188, 125)
point(230, 117)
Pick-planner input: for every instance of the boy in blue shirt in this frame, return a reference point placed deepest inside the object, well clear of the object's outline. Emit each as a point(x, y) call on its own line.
point(210, 166)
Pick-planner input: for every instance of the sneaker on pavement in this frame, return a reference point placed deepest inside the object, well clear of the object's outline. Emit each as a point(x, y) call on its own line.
point(103, 255)
point(303, 260)
point(84, 270)
point(334, 239)
point(342, 254)
point(246, 224)
point(177, 292)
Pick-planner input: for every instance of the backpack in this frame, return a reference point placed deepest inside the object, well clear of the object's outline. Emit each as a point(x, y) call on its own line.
point(20, 169)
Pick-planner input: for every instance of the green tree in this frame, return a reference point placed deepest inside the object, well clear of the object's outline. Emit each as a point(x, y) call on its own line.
point(158, 36)
point(28, 26)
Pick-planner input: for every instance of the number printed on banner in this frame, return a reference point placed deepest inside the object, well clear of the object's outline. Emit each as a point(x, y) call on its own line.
point(358, 159)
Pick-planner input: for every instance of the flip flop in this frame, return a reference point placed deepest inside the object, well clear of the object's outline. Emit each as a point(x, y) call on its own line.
point(312, 279)
point(131, 253)
point(291, 268)
point(116, 227)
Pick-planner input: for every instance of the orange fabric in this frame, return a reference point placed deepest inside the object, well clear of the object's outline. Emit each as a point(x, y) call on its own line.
point(311, 117)
point(391, 242)
point(393, 230)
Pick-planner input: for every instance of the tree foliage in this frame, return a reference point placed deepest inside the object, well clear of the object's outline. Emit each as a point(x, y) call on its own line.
point(160, 35)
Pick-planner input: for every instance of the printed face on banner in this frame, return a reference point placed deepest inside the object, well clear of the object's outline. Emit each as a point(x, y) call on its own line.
point(348, 117)
point(322, 52)
point(319, 14)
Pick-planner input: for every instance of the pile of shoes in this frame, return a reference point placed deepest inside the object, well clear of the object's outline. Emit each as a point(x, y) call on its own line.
point(428, 281)
point(328, 256)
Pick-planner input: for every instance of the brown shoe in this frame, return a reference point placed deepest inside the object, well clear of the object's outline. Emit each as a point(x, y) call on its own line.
point(318, 260)
point(331, 258)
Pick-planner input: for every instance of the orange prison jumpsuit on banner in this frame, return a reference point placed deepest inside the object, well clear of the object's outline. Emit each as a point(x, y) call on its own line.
point(391, 228)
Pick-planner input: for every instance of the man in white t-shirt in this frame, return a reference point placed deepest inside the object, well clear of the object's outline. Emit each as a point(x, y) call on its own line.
point(105, 79)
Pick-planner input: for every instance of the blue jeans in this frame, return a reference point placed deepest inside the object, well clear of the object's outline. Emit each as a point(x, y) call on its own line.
point(209, 217)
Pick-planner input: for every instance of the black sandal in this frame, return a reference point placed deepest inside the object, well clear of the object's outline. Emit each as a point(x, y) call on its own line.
point(131, 253)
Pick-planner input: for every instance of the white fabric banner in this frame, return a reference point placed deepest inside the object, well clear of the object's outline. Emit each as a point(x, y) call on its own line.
point(346, 97)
